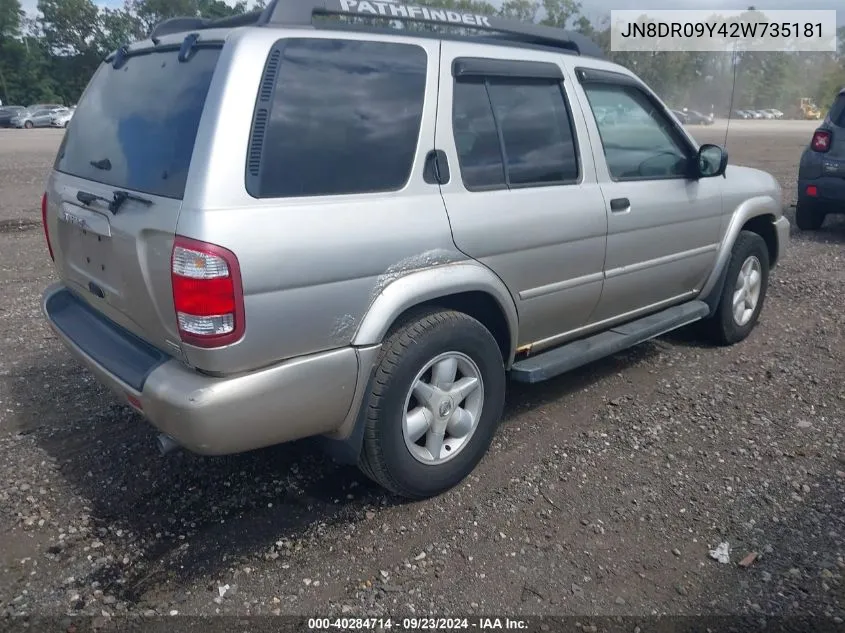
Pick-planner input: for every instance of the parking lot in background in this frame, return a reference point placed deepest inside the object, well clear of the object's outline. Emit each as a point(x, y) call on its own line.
point(603, 493)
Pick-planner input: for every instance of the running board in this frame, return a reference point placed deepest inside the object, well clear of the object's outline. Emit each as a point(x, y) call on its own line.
point(562, 359)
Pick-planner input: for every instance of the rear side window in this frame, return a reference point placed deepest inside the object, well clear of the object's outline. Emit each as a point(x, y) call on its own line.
point(136, 125)
point(513, 133)
point(476, 136)
point(344, 118)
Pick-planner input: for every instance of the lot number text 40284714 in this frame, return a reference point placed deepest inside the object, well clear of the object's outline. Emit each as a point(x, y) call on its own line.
point(416, 624)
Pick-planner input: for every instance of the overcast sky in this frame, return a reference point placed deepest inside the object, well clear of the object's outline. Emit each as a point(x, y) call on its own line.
point(595, 9)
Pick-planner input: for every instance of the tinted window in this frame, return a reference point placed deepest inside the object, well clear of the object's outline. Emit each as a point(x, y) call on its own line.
point(537, 131)
point(345, 118)
point(639, 140)
point(139, 122)
point(535, 128)
point(476, 137)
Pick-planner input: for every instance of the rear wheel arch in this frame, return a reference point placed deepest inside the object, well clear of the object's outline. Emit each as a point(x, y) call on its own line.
point(480, 305)
point(466, 287)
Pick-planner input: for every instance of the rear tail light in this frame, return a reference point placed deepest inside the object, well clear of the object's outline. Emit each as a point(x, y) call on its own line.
point(812, 191)
point(821, 141)
point(207, 293)
point(44, 224)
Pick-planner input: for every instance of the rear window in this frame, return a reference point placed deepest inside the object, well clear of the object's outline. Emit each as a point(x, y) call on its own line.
point(344, 118)
point(837, 112)
point(136, 125)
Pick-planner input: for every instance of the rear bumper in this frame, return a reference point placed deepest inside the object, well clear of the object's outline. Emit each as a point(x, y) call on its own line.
point(831, 192)
point(303, 397)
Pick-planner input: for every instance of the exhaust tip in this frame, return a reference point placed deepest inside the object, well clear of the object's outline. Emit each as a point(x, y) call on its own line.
point(166, 444)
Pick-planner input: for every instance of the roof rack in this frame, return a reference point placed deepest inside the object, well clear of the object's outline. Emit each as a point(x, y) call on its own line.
point(300, 13)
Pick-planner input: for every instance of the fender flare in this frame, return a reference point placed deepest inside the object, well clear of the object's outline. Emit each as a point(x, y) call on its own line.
point(425, 285)
point(751, 208)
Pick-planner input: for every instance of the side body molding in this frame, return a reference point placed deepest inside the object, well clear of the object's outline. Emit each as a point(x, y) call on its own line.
point(750, 208)
point(393, 297)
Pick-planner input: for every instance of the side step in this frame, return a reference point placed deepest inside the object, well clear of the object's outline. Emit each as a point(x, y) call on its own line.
point(562, 359)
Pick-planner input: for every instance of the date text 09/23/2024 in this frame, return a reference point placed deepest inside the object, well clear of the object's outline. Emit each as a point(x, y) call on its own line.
point(416, 624)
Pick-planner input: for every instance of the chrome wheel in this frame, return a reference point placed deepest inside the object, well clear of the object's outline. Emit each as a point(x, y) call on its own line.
point(747, 290)
point(443, 408)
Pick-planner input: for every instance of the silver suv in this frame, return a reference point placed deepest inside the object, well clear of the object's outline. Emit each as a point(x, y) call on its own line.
point(272, 227)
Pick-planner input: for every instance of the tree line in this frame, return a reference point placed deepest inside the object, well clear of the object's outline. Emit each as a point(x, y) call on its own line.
point(50, 57)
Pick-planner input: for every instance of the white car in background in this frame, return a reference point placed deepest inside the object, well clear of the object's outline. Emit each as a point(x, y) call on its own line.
point(61, 118)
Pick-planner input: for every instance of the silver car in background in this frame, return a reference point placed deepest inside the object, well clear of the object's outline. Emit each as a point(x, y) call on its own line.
point(33, 118)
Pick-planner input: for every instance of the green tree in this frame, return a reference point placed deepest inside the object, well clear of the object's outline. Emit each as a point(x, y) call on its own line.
point(151, 12)
point(118, 27)
point(11, 17)
point(71, 32)
point(560, 12)
point(524, 10)
point(219, 9)
point(69, 26)
point(10, 26)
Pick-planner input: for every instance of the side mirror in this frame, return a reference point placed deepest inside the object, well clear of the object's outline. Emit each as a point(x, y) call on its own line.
point(711, 161)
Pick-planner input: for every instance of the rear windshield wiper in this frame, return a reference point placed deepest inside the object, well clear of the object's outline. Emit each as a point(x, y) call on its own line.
point(87, 198)
point(122, 196)
point(115, 203)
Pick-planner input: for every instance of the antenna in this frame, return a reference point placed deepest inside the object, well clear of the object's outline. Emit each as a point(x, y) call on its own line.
point(735, 59)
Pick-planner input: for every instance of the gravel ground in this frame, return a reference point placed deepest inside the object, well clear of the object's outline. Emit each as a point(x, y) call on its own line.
point(603, 494)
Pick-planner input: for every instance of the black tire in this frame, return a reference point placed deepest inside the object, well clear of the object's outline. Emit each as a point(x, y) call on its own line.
point(28, 125)
point(808, 216)
point(385, 457)
point(722, 327)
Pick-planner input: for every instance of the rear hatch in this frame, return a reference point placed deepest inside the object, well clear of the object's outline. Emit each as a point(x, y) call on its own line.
point(131, 137)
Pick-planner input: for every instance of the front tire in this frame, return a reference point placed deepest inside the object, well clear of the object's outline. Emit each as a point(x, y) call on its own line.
point(808, 217)
point(435, 402)
point(744, 291)
point(28, 125)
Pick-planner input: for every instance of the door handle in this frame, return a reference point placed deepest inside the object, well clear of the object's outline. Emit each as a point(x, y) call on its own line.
point(436, 170)
point(620, 204)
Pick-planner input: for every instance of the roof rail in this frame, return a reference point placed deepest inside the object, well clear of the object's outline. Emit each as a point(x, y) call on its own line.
point(300, 13)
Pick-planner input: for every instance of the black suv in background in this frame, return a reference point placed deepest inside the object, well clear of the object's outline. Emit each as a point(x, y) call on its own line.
point(821, 173)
